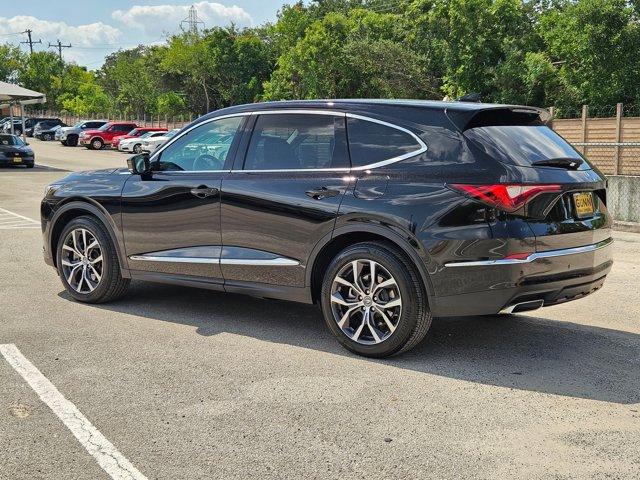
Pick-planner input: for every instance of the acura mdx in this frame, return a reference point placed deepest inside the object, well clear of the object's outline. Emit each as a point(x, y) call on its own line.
point(385, 213)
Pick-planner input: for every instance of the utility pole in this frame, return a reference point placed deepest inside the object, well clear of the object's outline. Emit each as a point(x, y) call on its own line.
point(28, 31)
point(191, 22)
point(59, 46)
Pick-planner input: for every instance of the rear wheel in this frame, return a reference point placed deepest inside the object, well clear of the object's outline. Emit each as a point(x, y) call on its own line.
point(46, 137)
point(97, 144)
point(16, 131)
point(88, 263)
point(63, 142)
point(373, 301)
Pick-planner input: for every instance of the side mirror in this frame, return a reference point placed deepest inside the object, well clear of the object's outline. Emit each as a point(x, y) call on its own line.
point(139, 164)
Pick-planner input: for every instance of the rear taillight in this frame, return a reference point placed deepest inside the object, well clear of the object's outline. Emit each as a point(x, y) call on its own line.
point(507, 197)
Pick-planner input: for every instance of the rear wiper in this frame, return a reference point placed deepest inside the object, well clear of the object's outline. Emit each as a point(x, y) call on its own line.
point(567, 163)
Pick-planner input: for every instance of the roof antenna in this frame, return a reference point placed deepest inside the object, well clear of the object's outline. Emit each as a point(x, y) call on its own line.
point(470, 97)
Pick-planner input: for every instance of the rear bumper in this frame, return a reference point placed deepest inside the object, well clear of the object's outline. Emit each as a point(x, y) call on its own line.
point(554, 277)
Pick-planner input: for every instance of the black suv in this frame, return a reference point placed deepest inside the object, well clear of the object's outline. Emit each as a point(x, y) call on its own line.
point(386, 213)
point(29, 124)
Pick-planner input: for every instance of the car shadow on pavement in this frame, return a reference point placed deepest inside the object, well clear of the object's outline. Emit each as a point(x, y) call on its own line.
point(514, 351)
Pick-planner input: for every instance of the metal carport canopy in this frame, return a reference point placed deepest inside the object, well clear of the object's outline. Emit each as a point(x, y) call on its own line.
point(13, 94)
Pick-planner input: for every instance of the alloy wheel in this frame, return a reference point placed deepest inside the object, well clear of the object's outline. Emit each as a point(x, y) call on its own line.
point(366, 302)
point(137, 148)
point(82, 263)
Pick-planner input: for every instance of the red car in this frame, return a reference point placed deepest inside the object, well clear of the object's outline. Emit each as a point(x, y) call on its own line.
point(96, 139)
point(136, 132)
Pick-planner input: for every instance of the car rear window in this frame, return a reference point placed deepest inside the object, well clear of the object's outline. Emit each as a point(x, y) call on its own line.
point(522, 144)
point(372, 142)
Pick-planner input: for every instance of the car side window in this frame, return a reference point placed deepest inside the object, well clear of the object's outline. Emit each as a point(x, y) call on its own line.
point(371, 142)
point(204, 148)
point(296, 141)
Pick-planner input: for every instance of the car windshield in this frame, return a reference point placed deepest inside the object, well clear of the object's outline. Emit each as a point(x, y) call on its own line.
point(11, 140)
point(104, 127)
point(134, 132)
point(171, 133)
point(78, 124)
point(146, 135)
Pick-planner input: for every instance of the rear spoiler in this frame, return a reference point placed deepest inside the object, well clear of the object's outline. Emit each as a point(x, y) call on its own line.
point(497, 115)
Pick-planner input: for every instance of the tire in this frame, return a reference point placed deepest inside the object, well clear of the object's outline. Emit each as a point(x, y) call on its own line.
point(137, 148)
point(63, 142)
point(411, 319)
point(16, 131)
point(46, 137)
point(110, 285)
point(96, 144)
point(72, 141)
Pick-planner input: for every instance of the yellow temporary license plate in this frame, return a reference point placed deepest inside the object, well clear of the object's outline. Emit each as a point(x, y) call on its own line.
point(584, 204)
point(17, 160)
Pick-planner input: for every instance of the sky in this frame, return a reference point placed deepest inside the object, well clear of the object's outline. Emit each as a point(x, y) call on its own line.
point(97, 28)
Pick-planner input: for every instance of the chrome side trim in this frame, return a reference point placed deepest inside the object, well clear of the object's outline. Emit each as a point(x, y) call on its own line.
point(421, 150)
point(158, 258)
point(535, 256)
point(270, 262)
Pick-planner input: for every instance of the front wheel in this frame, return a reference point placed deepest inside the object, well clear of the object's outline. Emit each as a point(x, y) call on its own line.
point(97, 144)
point(374, 302)
point(46, 137)
point(63, 142)
point(88, 263)
point(137, 148)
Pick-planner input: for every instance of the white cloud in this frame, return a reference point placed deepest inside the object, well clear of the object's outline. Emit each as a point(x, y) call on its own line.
point(81, 35)
point(157, 19)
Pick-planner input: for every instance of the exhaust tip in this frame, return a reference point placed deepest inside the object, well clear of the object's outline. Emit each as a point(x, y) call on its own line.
point(523, 306)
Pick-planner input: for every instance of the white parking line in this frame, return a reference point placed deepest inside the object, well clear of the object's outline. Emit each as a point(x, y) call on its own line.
point(107, 456)
point(11, 220)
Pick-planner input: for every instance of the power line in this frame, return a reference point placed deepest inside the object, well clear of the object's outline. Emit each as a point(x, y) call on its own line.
point(59, 46)
point(28, 31)
point(192, 22)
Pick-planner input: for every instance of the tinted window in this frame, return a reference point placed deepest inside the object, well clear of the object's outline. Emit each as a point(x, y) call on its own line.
point(297, 141)
point(204, 148)
point(522, 144)
point(10, 140)
point(371, 142)
point(123, 128)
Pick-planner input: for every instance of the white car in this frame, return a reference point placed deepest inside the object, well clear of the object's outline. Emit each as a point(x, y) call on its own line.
point(134, 145)
point(151, 144)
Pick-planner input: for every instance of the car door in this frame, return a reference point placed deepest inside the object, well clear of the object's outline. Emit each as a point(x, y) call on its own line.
point(171, 217)
point(282, 196)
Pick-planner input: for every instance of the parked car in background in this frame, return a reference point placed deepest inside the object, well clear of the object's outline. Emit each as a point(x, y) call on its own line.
point(46, 130)
point(103, 136)
point(151, 144)
point(136, 132)
point(386, 213)
point(134, 145)
point(29, 123)
point(69, 136)
point(14, 151)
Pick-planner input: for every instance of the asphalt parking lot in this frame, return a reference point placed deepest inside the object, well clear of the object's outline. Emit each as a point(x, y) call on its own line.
point(194, 384)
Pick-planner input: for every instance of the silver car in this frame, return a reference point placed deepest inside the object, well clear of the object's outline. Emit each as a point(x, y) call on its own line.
point(68, 136)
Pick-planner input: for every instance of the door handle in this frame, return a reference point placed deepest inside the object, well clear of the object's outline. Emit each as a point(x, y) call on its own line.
point(322, 192)
point(203, 191)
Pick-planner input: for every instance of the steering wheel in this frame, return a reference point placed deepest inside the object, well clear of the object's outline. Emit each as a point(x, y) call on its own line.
point(207, 161)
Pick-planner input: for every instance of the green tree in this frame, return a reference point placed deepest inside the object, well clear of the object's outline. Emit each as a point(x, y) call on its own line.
point(11, 60)
point(596, 44)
